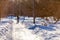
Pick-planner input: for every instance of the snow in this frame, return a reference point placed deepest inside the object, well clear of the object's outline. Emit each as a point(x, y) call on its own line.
point(26, 30)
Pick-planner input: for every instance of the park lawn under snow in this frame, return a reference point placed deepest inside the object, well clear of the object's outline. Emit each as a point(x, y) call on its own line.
point(26, 30)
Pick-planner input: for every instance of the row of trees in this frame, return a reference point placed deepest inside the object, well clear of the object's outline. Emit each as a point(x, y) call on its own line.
point(35, 8)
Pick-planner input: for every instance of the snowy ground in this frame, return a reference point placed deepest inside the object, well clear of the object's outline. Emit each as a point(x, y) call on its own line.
point(26, 30)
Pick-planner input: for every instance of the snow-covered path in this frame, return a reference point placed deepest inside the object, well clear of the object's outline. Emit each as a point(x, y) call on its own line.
point(22, 33)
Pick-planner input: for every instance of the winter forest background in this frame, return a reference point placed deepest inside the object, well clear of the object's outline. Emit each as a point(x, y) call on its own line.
point(29, 19)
